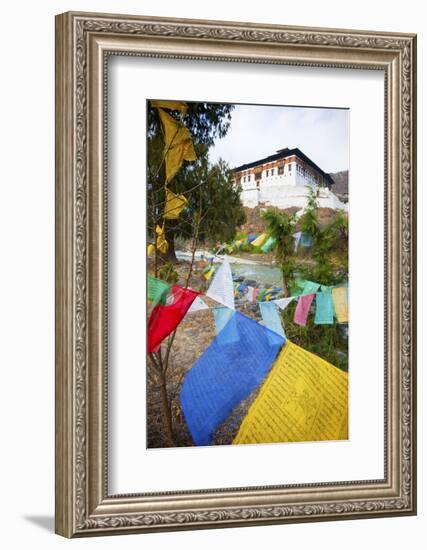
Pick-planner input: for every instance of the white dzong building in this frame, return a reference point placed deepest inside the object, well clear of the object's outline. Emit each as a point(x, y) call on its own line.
point(283, 180)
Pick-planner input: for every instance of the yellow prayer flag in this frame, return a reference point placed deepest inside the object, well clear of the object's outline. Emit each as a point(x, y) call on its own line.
point(259, 241)
point(304, 398)
point(172, 105)
point(174, 205)
point(150, 249)
point(178, 144)
point(339, 296)
point(161, 242)
point(208, 274)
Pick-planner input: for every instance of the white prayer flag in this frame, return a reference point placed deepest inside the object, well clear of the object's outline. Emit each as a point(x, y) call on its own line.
point(297, 238)
point(197, 305)
point(283, 303)
point(250, 294)
point(221, 288)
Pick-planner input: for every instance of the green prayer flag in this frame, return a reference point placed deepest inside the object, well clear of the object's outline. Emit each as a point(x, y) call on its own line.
point(324, 308)
point(269, 244)
point(157, 290)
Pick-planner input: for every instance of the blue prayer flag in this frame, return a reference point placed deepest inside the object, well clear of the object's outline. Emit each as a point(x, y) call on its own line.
point(222, 317)
point(271, 318)
point(306, 240)
point(226, 373)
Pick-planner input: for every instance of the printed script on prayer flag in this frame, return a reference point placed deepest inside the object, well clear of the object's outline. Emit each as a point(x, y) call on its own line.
point(304, 398)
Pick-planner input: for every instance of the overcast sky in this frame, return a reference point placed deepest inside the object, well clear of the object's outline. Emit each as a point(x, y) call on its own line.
point(258, 131)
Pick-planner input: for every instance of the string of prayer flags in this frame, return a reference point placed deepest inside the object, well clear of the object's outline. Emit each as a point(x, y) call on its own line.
point(165, 318)
point(221, 288)
point(339, 296)
point(260, 240)
point(225, 374)
point(157, 290)
point(269, 244)
point(271, 317)
point(324, 308)
point(197, 305)
point(306, 240)
point(283, 303)
point(161, 242)
point(302, 309)
point(174, 205)
point(178, 144)
point(304, 398)
point(297, 238)
point(171, 105)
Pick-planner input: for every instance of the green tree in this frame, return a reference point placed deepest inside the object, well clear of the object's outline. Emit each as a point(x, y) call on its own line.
point(325, 262)
point(281, 227)
point(210, 190)
point(329, 251)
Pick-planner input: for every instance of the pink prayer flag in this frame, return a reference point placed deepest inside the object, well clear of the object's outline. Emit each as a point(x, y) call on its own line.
point(302, 309)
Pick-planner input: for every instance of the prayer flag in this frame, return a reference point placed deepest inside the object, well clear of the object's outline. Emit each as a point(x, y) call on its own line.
point(226, 374)
point(269, 244)
point(302, 309)
point(157, 290)
point(222, 316)
point(197, 305)
point(174, 205)
point(304, 398)
point(164, 319)
point(208, 274)
point(250, 294)
point(306, 240)
point(221, 288)
point(259, 241)
point(297, 238)
point(178, 144)
point(339, 296)
point(271, 317)
point(309, 287)
point(150, 249)
point(161, 242)
point(283, 303)
point(171, 105)
point(324, 308)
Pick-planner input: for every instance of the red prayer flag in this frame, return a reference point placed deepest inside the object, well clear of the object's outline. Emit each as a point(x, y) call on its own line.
point(165, 318)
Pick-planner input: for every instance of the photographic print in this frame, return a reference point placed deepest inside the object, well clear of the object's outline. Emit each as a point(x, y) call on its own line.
point(247, 274)
point(266, 310)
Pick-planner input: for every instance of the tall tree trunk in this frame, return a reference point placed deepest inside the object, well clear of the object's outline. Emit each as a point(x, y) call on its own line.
point(170, 255)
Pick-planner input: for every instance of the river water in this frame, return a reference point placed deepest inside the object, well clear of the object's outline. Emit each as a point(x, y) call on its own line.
point(265, 275)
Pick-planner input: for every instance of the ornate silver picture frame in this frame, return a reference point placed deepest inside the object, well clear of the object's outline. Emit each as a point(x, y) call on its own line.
point(84, 43)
